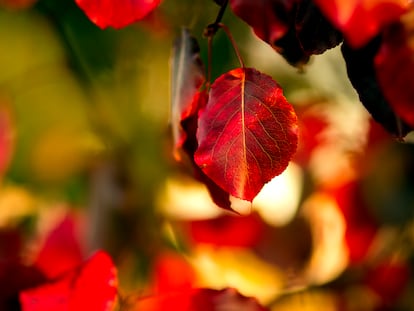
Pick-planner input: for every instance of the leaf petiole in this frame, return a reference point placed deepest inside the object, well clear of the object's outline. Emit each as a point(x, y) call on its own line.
point(233, 43)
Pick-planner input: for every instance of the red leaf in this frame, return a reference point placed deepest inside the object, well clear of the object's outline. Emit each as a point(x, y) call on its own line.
point(61, 250)
point(247, 132)
point(116, 13)
point(187, 76)
point(200, 300)
point(269, 18)
point(172, 272)
point(92, 286)
point(228, 230)
point(361, 20)
point(394, 66)
point(312, 124)
point(294, 28)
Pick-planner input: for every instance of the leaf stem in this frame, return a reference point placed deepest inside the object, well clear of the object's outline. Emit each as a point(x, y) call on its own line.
point(211, 29)
point(210, 60)
point(233, 43)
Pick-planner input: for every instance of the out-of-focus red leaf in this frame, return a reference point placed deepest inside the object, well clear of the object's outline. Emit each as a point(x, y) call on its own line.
point(394, 66)
point(388, 280)
point(269, 19)
point(361, 73)
point(228, 230)
point(116, 13)
point(362, 20)
point(200, 300)
point(172, 272)
point(187, 76)
point(61, 251)
point(312, 124)
point(361, 227)
point(294, 28)
point(92, 286)
point(247, 132)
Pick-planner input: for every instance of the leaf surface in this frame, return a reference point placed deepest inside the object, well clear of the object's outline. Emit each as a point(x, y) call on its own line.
point(187, 76)
point(116, 13)
point(247, 132)
point(361, 20)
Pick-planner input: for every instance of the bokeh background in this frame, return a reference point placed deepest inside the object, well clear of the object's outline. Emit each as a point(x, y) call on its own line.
point(86, 163)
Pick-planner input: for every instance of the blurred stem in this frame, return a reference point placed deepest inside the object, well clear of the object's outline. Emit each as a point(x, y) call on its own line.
point(233, 43)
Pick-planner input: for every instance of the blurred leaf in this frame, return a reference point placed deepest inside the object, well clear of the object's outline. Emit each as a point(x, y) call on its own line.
point(240, 268)
point(61, 251)
point(394, 64)
point(187, 76)
point(116, 13)
point(361, 73)
point(361, 21)
point(92, 286)
point(227, 230)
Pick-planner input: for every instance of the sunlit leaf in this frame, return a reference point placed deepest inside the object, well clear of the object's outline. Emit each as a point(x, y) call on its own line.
point(247, 133)
point(92, 286)
point(362, 20)
point(394, 65)
point(187, 76)
point(116, 13)
point(238, 267)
